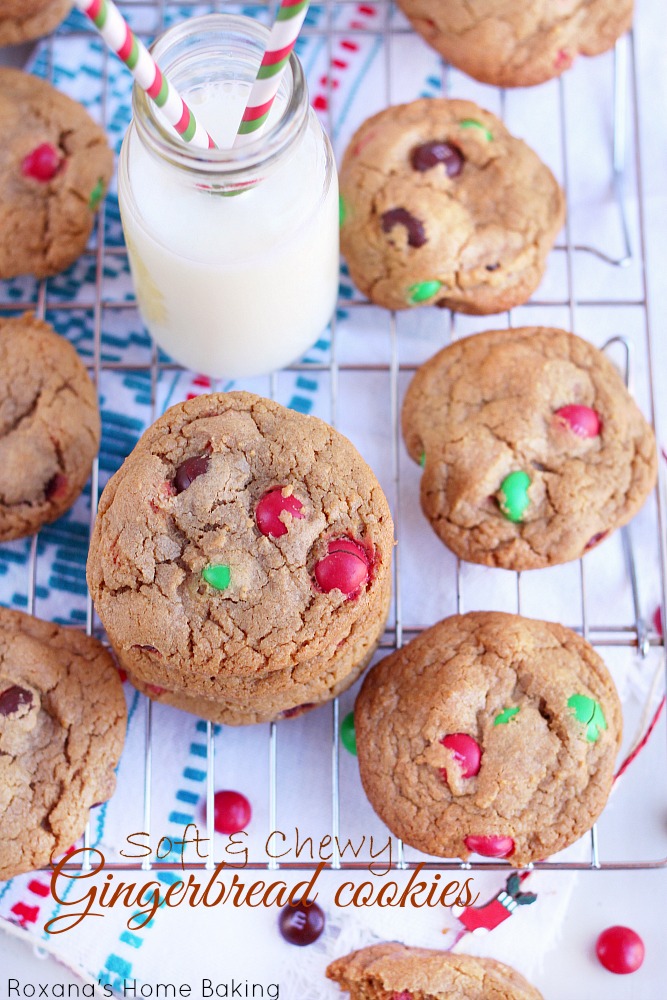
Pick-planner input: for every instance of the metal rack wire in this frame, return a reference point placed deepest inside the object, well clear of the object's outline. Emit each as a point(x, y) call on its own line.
point(636, 636)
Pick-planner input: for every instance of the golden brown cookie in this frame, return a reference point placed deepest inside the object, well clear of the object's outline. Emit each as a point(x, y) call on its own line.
point(62, 727)
point(517, 43)
point(394, 972)
point(23, 20)
point(269, 698)
point(55, 165)
point(489, 734)
point(533, 449)
point(441, 205)
point(49, 425)
point(242, 554)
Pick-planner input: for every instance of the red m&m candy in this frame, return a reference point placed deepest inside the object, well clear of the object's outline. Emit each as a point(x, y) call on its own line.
point(581, 420)
point(232, 812)
point(344, 568)
point(467, 754)
point(42, 163)
point(271, 506)
point(490, 847)
point(620, 950)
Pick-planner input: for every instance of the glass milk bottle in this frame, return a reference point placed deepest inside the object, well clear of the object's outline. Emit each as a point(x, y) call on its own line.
point(233, 252)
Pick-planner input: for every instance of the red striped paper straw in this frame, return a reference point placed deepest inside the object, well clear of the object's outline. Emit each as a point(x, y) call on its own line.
point(120, 38)
point(284, 33)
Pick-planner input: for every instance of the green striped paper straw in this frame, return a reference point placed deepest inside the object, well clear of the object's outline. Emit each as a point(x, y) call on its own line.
point(284, 33)
point(120, 38)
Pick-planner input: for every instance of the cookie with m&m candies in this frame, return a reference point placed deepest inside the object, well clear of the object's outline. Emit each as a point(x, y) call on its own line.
point(533, 450)
point(514, 43)
point(55, 165)
point(489, 734)
point(441, 205)
point(241, 560)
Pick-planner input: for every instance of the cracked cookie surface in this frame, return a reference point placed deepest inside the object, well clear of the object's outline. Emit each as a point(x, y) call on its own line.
point(62, 727)
point(510, 44)
point(390, 971)
point(542, 712)
point(208, 589)
point(518, 44)
point(508, 403)
point(23, 20)
point(441, 205)
point(55, 166)
point(49, 425)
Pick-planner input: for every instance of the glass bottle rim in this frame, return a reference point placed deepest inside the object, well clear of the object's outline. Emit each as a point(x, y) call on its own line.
point(226, 165)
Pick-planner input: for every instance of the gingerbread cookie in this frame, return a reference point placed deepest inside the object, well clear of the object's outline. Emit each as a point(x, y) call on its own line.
point(533, 449)
point(489, 734)
point(270, 697)
point(62, 727)
point(517, 43)
point(49, 425)
point(23, 20)
point(392, 971)
point(55, 165)
point(242, 555)
point(441, 205)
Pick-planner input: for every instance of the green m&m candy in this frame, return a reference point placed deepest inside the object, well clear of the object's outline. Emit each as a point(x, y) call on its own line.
point(347, 735)
point(507, 713)
point(96, 195)
point(423, 291)
point(589, 712)
point(473, 123)
point(218, 577)
point(514, 495)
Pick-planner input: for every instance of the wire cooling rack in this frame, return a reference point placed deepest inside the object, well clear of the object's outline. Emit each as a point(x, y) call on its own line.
point(604, 599)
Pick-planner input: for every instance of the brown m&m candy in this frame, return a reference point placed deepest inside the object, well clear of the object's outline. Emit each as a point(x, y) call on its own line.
point(301, 924)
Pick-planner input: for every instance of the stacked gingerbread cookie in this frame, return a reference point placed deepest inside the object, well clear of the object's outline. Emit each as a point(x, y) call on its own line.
point(241, 560)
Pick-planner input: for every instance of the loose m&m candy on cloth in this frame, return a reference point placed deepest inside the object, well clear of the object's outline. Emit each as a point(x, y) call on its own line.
point(301, 924)
point(232, 812)
point(620, 950)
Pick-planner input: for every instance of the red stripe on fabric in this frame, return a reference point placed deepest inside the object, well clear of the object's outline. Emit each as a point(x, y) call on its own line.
point(350, 46)
point(26, 914)
point(363, 9)
point(640, 746)
point(320, 103)
point(339, 63)
point(38, 888)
